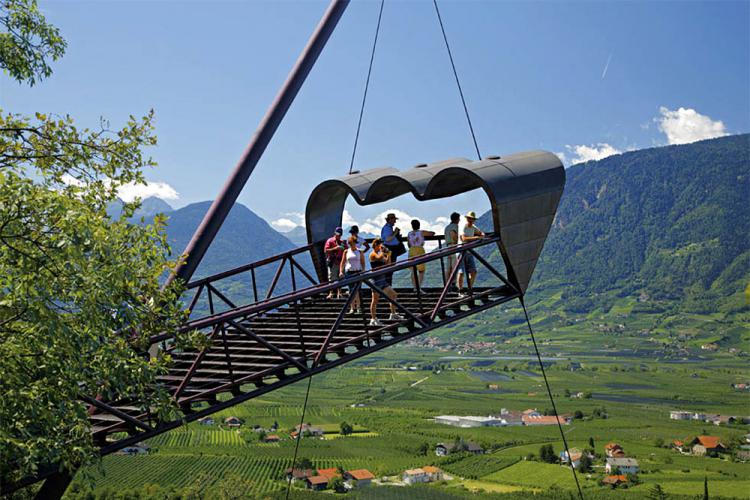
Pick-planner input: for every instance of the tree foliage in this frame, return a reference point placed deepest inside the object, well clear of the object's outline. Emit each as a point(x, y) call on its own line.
point(80, 292)
point(346, 428)
point(27, 42)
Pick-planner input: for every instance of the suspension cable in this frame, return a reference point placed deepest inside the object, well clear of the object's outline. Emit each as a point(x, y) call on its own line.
point(551, 398)
point(299, 437)
point(458, 83)
point(367, 85)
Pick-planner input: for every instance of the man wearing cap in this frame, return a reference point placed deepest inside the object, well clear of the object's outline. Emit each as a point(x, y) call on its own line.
point(469, 266)
point(334, 251)
point(361, 242)
point(389, 234)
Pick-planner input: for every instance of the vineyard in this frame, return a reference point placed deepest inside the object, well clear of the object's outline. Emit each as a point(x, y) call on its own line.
point(393, 432)
point(475, 466)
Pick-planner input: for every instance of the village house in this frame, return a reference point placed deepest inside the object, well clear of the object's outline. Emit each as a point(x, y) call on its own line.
point(330, 473)
point(575, 455)
point(136, 449)
point(621, 465)
point(545, 420)
point(442, 449)
point(511, 417)
point(615, 481)
point(298, 474)
point(308, 429)
point(707, 444)
point(316, 483)
point(206, 421)
point(271, 438)
point(233, 422)
point(433, 473)
point(613, 450)
point(414, 476)
point(723, 419)
point(358, 478)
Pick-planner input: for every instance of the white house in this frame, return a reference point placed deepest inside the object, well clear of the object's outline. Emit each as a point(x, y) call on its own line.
point(623, 465)
point(680, 415)
point(469, 421)
point(575, 454)
point(414, 476)
point(206, 421)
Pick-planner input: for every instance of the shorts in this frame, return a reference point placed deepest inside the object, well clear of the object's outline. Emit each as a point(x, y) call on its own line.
point(416, 252)
point(468, 265)
point(333, 271)
point(382, 281)
point(348, 274)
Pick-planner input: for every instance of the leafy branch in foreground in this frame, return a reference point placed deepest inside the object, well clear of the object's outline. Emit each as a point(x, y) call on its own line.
point(79, 292)
point(27, 41)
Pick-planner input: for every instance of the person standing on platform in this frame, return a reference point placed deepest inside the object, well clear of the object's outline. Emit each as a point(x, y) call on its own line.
point(334, 252)
point(352, 263)
point(415, 239)
point(451, 240)
point(391, 236)
point(361, 242)
point(469, 266)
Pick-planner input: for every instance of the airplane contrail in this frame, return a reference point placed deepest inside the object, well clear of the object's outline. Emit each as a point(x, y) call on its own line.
point(606, 66)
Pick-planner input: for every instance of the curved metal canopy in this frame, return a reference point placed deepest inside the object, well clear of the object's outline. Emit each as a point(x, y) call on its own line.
point(524, 190)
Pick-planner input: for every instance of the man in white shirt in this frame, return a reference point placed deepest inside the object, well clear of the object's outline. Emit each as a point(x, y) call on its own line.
point(469, 266)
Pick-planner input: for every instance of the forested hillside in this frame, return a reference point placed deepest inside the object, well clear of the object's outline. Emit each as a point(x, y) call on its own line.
point(669, 225)
point(244, 237)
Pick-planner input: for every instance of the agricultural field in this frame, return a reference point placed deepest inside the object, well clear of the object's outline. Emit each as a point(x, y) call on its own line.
point(393, 430)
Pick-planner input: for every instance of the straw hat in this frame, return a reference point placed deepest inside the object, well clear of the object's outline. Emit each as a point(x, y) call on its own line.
point(471, 215)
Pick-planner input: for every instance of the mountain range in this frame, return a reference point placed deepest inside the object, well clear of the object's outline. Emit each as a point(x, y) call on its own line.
point(669, 224)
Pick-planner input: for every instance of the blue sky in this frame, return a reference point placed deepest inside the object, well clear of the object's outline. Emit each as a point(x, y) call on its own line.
point(583, 79)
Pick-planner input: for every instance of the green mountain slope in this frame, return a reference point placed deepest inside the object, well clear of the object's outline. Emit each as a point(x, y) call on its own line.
point(670, 225)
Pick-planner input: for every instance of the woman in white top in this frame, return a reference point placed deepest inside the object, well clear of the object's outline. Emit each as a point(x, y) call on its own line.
point(415, 239)
point(352, 263)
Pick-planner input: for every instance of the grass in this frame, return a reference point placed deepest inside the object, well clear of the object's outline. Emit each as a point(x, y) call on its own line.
point(629, 373)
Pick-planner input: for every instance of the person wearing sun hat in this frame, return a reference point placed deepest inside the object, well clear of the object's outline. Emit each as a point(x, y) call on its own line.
point(469, 233)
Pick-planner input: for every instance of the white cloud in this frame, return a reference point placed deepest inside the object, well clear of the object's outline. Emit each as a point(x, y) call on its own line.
point(130, 191)
point(289, 221)
point(686, 125)
point(586, 153)
point(374, 224)
point(563, 158)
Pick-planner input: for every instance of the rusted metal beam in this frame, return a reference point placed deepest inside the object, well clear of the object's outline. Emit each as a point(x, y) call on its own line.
point(114, 411)
point(324, 348)
point(223, 203)
point(268, 345)
point(447, 286)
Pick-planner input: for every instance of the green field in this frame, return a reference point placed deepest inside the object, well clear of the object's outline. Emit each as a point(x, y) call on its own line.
point(631, 377)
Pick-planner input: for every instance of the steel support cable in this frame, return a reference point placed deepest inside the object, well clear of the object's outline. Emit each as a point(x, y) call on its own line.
point(367, 86)
point(458, 82)
point(299, 438)
point(551, 398)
